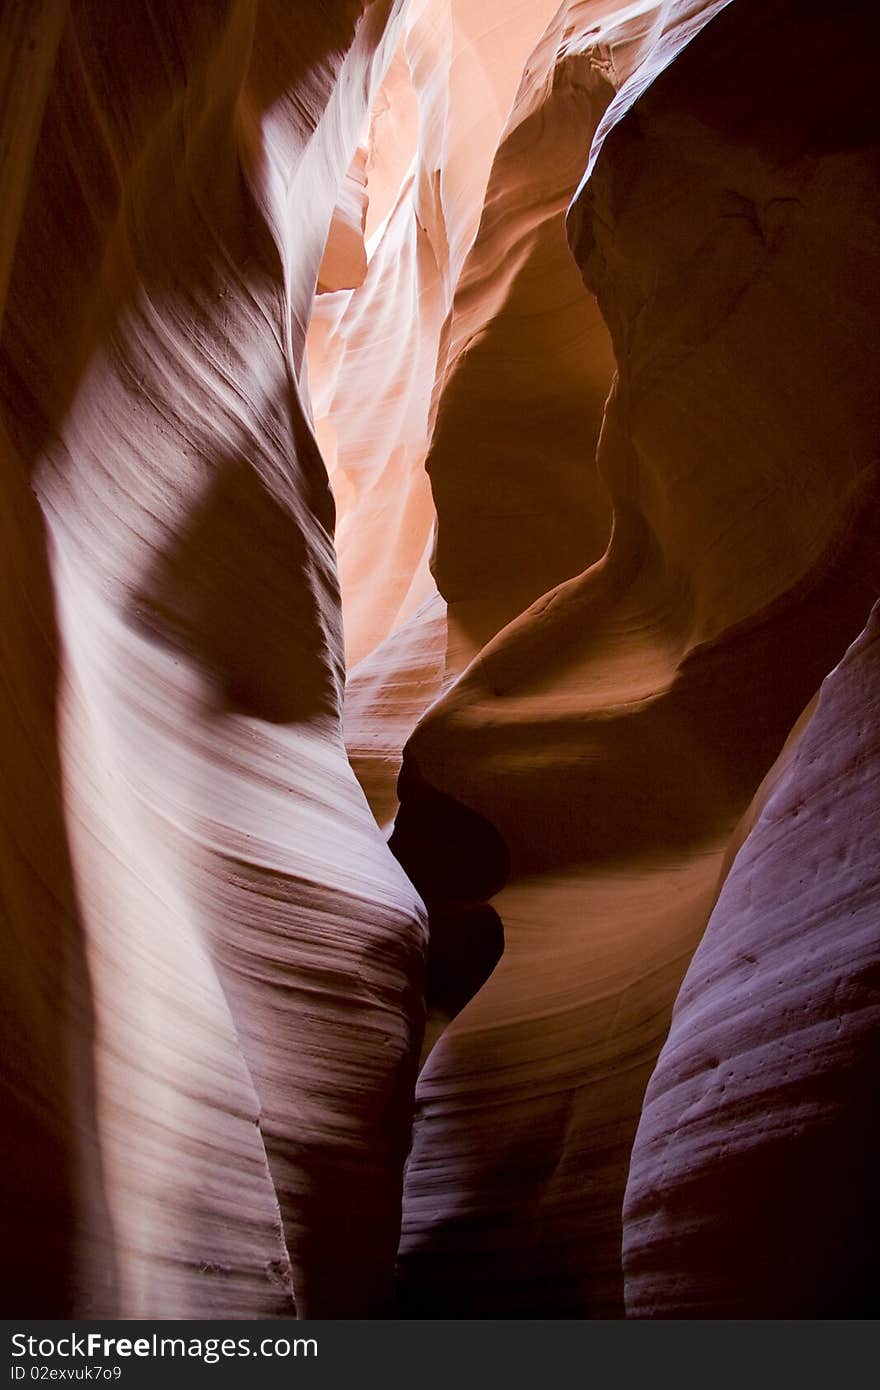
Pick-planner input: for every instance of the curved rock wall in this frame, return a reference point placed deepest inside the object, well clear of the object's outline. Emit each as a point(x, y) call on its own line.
point(200, 900)
point(532, 344)
point(614, 733)
point(751, 1189)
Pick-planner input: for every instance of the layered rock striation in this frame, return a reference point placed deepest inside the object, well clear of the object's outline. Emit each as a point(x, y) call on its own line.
point(214, 964)
point(439, 466)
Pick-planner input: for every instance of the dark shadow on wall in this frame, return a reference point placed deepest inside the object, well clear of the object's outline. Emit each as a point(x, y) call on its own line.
point(232, 591)
point(457, 861)
point(57, 1239)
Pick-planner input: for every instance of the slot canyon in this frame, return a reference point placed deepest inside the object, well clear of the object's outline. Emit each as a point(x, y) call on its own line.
point(441, 671)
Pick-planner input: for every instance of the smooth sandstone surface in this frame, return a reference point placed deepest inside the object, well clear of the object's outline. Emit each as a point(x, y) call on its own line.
point(613, 734)
point(439, 478)
point(206, 928)
point(764, 1093)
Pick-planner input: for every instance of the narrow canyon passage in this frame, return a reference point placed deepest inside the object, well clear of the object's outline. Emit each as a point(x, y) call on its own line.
point(440, 479)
